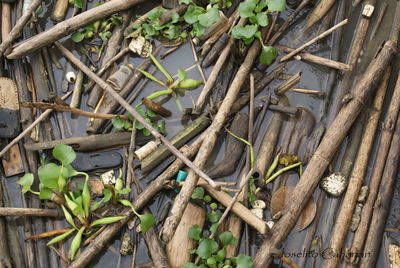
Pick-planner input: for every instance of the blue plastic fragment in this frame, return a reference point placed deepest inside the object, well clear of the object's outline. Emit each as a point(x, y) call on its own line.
point(181, 177)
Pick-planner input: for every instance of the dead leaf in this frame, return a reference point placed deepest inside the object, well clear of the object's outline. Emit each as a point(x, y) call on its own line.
point(281, 198)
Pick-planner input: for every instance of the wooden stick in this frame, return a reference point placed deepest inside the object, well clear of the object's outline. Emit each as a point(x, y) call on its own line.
point(317, 93)
point(325, 152)
point(6, 20)
point(63, 108)
point(70, 25)
point(35, 212)
point(319, 11)
point(316, 59)
point(30, 127)
point(357, 176)
point(383, 201)
point(312, 41)
point(19, 25)
point(135, 114)
point(375, 181)
point(60, 10)
point(184, 195)
point(378, 21)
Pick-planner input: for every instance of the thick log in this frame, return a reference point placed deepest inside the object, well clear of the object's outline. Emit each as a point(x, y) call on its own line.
point(325, 152)
point(70, 25)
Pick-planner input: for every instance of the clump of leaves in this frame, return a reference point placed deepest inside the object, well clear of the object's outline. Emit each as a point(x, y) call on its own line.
point(208, 251)
point(54, 180)
point(257, 13)
point(149, 115)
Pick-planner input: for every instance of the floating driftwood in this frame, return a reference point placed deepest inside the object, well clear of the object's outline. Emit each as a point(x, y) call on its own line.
point(325, 152)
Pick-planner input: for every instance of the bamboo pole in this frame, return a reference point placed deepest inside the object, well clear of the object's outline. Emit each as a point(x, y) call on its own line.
point(357, 176)
point(70, 25)
point(35, 212)
point(134, 113)
point(324, 153)
point(208, 144)
point(383, 201)
point(375, 181)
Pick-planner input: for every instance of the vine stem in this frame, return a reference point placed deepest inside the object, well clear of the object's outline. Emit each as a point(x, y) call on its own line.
point(248, 143)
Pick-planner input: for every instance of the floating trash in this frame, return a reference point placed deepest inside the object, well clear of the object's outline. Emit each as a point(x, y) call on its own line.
point(335, 184)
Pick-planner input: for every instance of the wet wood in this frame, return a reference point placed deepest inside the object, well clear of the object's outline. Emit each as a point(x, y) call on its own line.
point(60, 10)
point(352, 58)
point(325, 152)
point(63, 108)
point(166, 16)
point(382, 204)
point(13, 165)
point(215, 50)
point(178, 140)
point(180, 244)
point(316, 59)
point(208, 144)
point(70, 25)
point(110, 105)
point(36, 212)
point(233, 148)
point(6, 20)
point(356, 180)
point(288, 84)
point(85, 143)
point(312, 41)
point(319, 11)
point(113, 47)
point(5, 260)
point(375, 181)
point(155, 107)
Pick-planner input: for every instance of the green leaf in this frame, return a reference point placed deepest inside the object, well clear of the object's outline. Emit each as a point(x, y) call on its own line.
point(246, 9)
point(107, 195)
point(262, 19)
point(76, 242)
point(276, 5)
point(138, 125)
point(198, 193)
point(189, 83)
point(77, 37)
point(159, 66)
point(26, 182)
point(174, 17)
point(79, 3)
point(227, 238)
point(123, 191)
point(214, 228)
point(48, 175)
point(206, 248)
point(214, 216)
point(268, 55)
point(45, 193)
point(192, 14)
point(39, 10)
point(146, 132)
point(60, 237)
point(86, 198)
point(154, 14)
point(187, 2)
point(181, 74)
point(150, 30)
point(198, 30)
point(172, 32)
point(253, 19)
point(68, 216)
point(74, 207)
point(244, 261)
point(154, 125)
point(210, 17)
point(161, 126)
point(260, 6)
point(150, 76)
point(69, 171)
point(147, 221)
point(246, 32)
point(118, 123)
point(61, 182)
point(64, 153)
point(150, 112)
point(195, 232)
point(221, 255)
point(189, 264)
point(212, 262)
point(107, 220)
